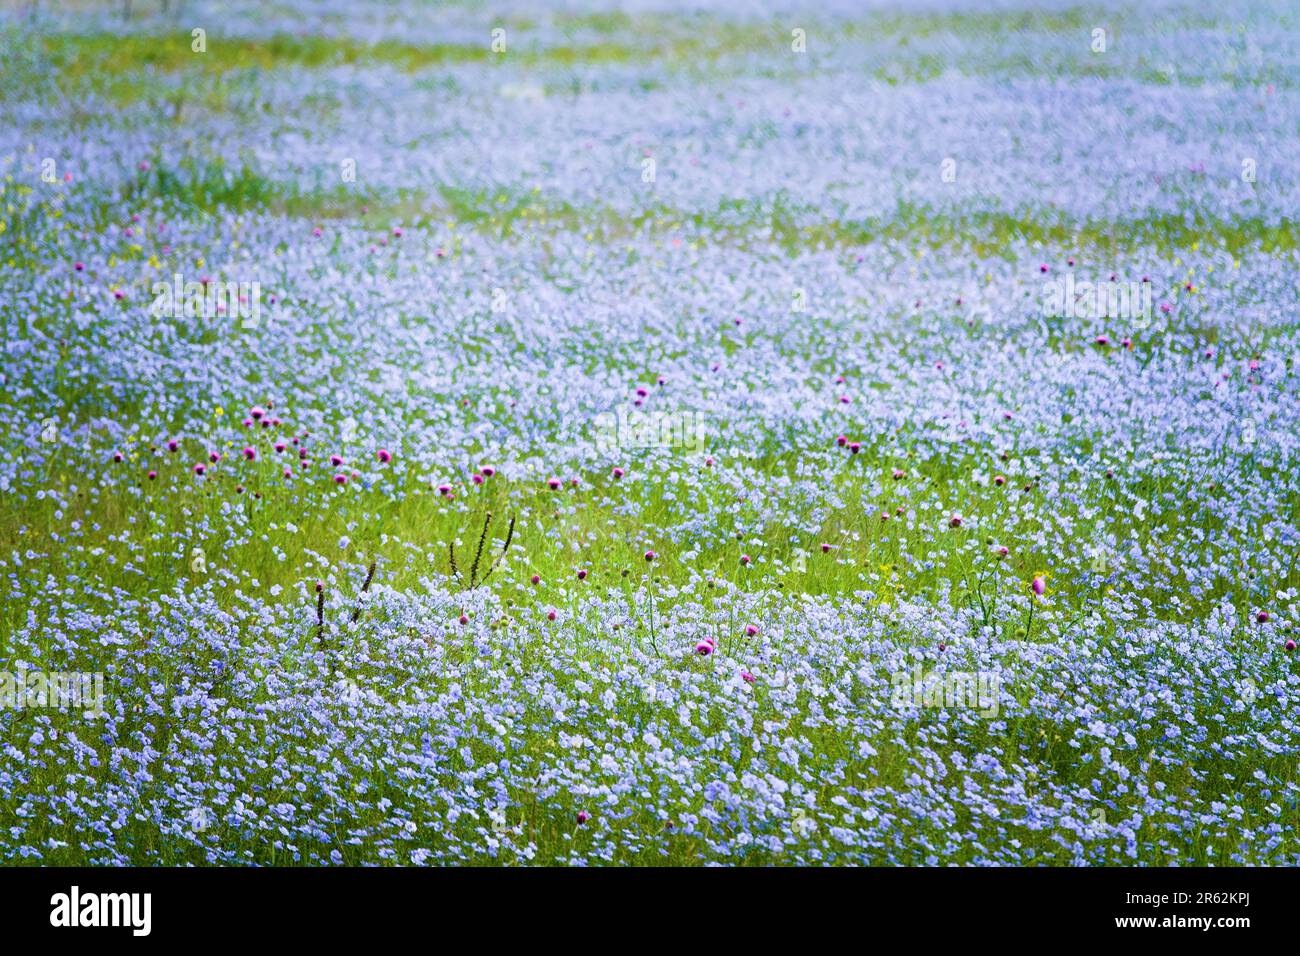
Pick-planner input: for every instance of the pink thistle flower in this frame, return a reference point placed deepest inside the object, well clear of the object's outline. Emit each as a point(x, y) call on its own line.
point(750, 630)
point(618, 472)
point(487, 471)
point(152, 475)
point(464, 619)
point(841, 440)
point(280, 446)
point(899, 474)
point(583, 816)
point(200, 468)
point(747, 677)
point(256, 412)
point(1289, 645)
point(1262, 617)
point(477, 479)
point(954, 521)
point(288, 473)
point(117, 456)
point(1000, 480)
point(855, 447)
point(79, 266)
point(384, 455)
point(214, 456)
point(650, 555)
point(825, 548)
point(1039, 585)
point(536, 579)
point(340, 479)
point(336, 460)
point(250, 453)
point(582, 574)
point(553, 483)
point(744, 559)
point(444, 490)
point(704, 648)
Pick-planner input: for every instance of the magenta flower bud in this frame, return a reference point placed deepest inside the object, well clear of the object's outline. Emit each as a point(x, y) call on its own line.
point(617, 473)
point(750, 630)
point(650, 555)
point(200, 468)
point(744, 559)
point(553, 483)
point(464, 619)
point(384, 455)
point(704, 648)
point(536, 579)
point(336, 460)
point(153, 475)
point(214, 456)
point(1262, 617)
point(1038, 584)
point(340, 479)
point(550, 614)
point(747, 677)
point(583, 816)
point(582, 574)
point(954, 521)
point(487, 471)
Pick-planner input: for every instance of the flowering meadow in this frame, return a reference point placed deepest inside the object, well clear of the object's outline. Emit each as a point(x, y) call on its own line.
point(669, 433)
